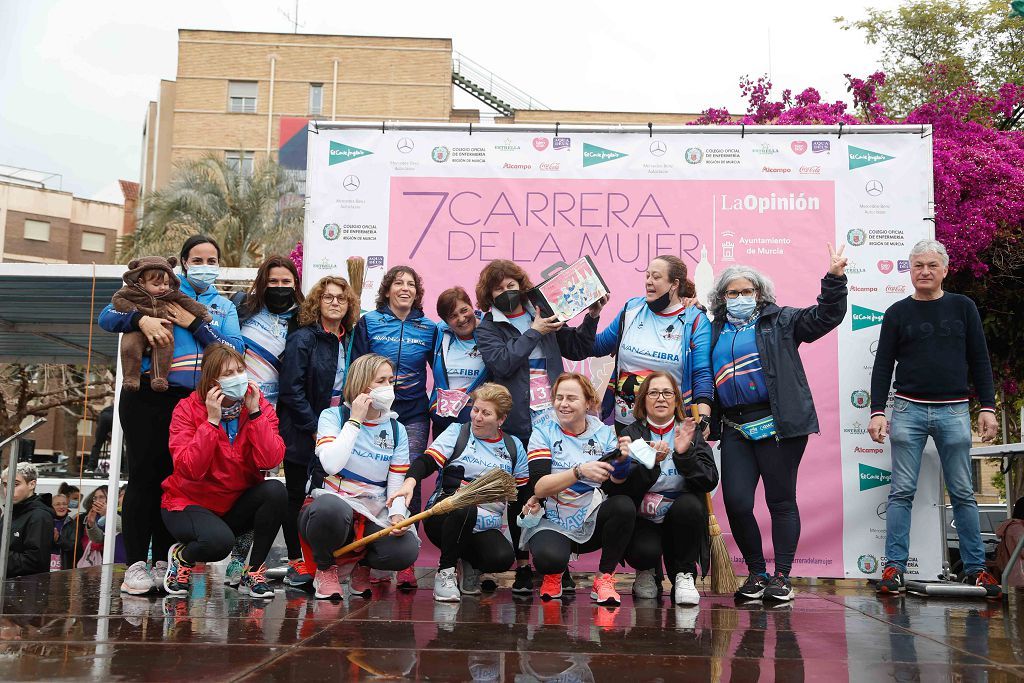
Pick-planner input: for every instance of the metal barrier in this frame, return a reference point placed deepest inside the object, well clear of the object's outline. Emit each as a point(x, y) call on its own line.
point(1007, 452)
point(12, 474)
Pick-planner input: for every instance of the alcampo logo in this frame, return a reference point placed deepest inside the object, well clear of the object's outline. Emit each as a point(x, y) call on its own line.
point(865, 157)
point(865, 317)
point(872, 477)
point(592, 154)
point(341, 153)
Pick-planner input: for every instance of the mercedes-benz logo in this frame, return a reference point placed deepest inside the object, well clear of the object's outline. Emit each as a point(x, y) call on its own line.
point(406, 145)
point(350, 183)
point(881, 509)
point(873, 188)
point(873, 348)
point(658, 148)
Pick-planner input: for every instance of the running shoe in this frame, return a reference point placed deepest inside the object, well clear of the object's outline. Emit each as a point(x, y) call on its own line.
point(254, 582)
point(524, 580)
point(406, 580)
point(488, 584)
point(892, 581)
point(158, 572)
point(298, 573)
point(779, 588)
point(550, 587)
point(992, 588)
point(233, 573)
point(753, 587)
point(326, 584)
point(359, 581)
point(137, 579)
point(644, 586)
point(178, 572)
point(446, 587)
point(603, 592)
point(469, 578)
point(684, 592)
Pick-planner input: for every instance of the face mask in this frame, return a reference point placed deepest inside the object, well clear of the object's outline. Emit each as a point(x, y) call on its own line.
point(661, 303)
point(279, 299)
point(383, 397)
point(202, 277)
point(72, 505)
point(742, 307)
point(235, 386)
point(507, 301)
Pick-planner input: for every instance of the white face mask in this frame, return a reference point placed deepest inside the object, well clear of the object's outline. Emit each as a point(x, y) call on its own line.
point(383, 397)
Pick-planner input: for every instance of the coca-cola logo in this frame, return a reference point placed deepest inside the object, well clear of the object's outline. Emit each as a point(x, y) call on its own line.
point(540, 144)
point(885, 267)
point(551, 166)
point(798, 146)
point(810, 170)
point(895, 289)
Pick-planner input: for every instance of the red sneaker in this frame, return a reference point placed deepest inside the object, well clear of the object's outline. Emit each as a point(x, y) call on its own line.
point(603, 592)
point(326, 584)
point(992, 588)
point(406, 580)
point(551, 587)
point(359, 581)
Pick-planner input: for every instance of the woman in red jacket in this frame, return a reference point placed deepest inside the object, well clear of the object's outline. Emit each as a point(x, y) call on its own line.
point(223, 437)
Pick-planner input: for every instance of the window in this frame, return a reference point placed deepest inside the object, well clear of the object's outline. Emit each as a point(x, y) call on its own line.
point(37, 230)
point(316, 98)
point(976, 475)
point(240, 160)
point(94, 241)
point(242, 97)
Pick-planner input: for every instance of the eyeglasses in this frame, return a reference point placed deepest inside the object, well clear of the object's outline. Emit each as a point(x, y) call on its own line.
point(664, 393)
point(331, 298)
point(732, 293)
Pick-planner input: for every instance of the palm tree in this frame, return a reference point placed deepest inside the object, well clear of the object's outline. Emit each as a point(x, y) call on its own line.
point(250, 215)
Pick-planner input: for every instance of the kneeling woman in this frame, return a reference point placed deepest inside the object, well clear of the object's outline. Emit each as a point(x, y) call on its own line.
point(672, 516)
point(362, 458)
point(568, 466)
point(223, 437)
point(475, 538)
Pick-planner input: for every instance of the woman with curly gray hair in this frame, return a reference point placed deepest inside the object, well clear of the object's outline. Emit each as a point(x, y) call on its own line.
point(764, 410)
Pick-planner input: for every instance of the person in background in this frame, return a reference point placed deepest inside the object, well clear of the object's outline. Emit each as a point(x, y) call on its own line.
point(458, 366)
point(86, 534)
point(313, 371)
point(523, 352)
point(1010, 533)
point(223, 439)
point(399, 330)
point(31, 540)
point(145, 414)
point(73, 494)
point(936, 342)
point(104, 428)
point(60, 558)
point(764, 410)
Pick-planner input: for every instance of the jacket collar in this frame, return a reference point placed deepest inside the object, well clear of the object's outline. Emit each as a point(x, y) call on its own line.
point(414, 314)
point(187, 289)
point(499, 317)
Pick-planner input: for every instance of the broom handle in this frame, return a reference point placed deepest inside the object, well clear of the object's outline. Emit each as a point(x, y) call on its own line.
point(367, 540)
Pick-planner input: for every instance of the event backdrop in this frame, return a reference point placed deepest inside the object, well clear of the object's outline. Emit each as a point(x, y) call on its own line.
point(447, 200)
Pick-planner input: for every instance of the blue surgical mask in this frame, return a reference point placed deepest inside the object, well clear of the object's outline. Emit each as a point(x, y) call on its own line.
point(742, 307)
point(202, 277)
point(235, 386)
point(72, 505)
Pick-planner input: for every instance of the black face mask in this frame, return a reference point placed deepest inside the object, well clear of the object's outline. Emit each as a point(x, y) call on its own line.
point(279, 299)
point(507, 301)
point(661, 303)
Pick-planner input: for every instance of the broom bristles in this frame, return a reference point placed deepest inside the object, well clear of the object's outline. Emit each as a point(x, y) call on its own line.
point(492, 487)
point(723, 577)
point(356, 273)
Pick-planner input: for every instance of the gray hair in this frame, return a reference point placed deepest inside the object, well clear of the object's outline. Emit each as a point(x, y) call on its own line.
point(764, 286)
point(930, 246)
point(27, 471)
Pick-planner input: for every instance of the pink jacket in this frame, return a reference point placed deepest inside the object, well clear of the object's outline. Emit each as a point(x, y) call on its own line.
point(1009, 533)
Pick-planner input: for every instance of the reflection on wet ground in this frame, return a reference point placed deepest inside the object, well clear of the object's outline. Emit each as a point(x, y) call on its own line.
point(76, 625)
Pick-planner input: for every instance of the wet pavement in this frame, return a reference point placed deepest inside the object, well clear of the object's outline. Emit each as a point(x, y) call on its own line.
point(76, 625)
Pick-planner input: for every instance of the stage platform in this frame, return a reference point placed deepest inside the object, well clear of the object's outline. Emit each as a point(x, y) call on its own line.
point(77, 626)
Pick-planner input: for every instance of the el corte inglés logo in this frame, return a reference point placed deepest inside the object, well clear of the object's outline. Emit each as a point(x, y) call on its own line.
point(592, 154)
point(865, 317)
point(341, 153)
point(872, 477)
point(865, 157)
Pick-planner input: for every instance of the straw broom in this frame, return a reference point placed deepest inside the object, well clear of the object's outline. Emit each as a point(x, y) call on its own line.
point(494, 486)
point(356, 273)
point(723, 578)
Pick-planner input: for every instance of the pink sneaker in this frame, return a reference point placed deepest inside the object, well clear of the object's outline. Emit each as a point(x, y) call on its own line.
point(604, 590)
point(407, 580)
point(359, 581)
point(326, 584)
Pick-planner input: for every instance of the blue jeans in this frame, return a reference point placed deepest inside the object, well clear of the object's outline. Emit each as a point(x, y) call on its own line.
point(950, 426)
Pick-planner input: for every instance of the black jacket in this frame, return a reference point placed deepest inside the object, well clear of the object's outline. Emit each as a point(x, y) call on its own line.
point(308, 366)
point(697, 465)
point(780, 331)
point(506, 355)
point(31, 538)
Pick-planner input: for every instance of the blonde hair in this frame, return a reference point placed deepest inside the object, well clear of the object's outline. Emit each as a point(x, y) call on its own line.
point(496, 395)
point(361, 373)
point(589, 392)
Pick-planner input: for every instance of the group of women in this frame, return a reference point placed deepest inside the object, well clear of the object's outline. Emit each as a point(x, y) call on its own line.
point(341, 399)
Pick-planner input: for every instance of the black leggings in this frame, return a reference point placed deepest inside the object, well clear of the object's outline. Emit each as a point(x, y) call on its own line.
point(209, 537)
point(615, 521)
point(487, 551)
point(146, 417)
point(295, 478)
point(327, 524)
point(775, 463)
point(679, 537)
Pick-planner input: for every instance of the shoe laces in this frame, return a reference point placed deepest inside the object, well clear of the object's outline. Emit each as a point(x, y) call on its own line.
point(447, 579)
point(257, 575)
point(983, 578)
point(685, 579)
point(605, 581)
point(298, 565)
point(183, 574)
point(552, 583)
point(890, 573)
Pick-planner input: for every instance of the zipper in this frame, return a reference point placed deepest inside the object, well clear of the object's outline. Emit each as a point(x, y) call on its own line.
point(398, 362)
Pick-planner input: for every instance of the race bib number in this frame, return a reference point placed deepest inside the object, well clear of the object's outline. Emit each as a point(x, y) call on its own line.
point(540, 390)
point(450, 402)
point(55, 562)
point(650, 505)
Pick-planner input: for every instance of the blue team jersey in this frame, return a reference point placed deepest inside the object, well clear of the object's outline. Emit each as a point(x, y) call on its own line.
point(669, 483)
point(739, 378)
point(264, 335)
point(481, 456)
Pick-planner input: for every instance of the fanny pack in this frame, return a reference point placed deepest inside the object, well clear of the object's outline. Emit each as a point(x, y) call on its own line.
point(756, 430)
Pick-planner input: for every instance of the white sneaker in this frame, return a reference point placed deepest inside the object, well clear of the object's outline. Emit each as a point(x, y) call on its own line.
point(685, 592)
point(137, 579)
point(645, 585)
point(158, 572)
point(446, 588)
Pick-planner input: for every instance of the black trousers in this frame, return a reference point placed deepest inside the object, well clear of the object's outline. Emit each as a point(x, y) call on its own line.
point(146, 420)
point(209, 537)
point(327, 524)
point(775, 463)
point(616, 519)
point(487, 551)
point(678, 538)
point(295, 478)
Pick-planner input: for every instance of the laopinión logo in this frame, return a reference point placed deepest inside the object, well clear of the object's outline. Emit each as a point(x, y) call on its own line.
point(340, 153)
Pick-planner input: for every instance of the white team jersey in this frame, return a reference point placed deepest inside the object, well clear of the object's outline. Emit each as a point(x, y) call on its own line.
point(462, 361)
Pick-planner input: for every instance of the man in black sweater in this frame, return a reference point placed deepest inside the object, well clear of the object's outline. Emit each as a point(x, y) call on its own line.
point(935, 340)
point(31, 526)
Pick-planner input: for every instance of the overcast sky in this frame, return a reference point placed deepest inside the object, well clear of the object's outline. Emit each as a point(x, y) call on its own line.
point(76, 76)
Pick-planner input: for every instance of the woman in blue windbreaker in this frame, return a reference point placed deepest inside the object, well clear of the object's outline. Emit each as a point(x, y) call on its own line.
point(658, 332)
point(458, 366)
point(146, 414)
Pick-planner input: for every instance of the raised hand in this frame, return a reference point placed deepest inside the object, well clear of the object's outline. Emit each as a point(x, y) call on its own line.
point(213, 408)
point(837, 262)
point(684, 435)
